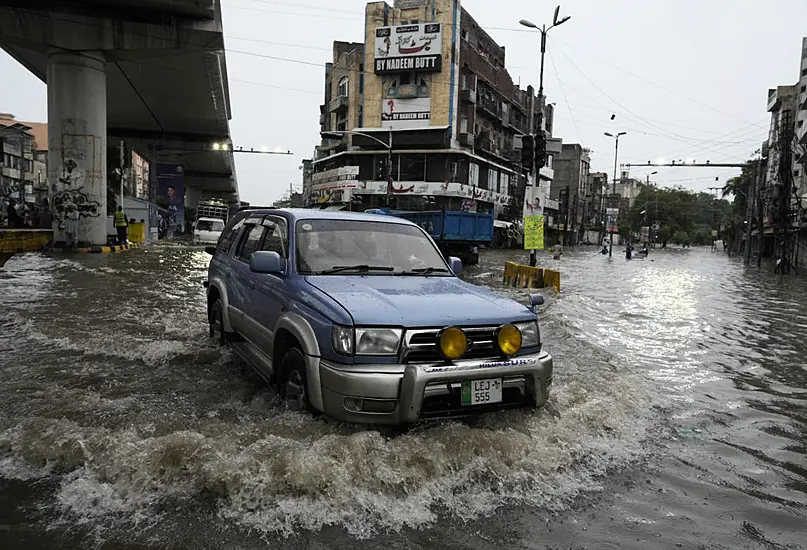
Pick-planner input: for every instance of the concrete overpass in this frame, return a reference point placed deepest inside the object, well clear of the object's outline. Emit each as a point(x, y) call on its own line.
point(150, 72)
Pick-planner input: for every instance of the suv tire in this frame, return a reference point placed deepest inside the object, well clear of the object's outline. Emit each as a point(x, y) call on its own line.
point(216, 322)
point(293, 382)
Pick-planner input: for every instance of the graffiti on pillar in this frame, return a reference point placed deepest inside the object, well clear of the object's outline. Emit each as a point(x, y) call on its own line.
point(67, 177)
point(87, 208)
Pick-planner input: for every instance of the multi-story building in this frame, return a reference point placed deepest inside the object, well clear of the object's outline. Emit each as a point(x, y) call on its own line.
point(595, 208)
point(23, 160)
point(570, 188)
point(431, 117)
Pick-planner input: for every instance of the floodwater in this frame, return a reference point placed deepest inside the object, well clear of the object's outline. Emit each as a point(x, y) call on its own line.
point(678, 419)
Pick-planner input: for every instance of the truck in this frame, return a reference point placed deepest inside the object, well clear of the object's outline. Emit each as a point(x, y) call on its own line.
point(211, 217)
point(456, 233)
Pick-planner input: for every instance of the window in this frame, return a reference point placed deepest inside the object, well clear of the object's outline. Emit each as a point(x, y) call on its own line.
point(342, 88)
point(464, 124)
point(803, 89)
point(276, 239)
point(464, 34)
point(323, 244)
point(228, 237)
point(361, 116)
point(361, 79)
point(800, 123)
point(251, 242)
point(464, 80)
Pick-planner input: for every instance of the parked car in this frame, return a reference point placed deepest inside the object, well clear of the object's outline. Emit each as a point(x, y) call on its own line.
point(360, 317)
point(207, 230)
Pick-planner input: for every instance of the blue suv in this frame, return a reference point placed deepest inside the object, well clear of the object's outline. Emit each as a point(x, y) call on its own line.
point(359, 317)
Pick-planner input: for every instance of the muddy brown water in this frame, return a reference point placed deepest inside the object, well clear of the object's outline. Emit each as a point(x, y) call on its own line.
point(677, 419)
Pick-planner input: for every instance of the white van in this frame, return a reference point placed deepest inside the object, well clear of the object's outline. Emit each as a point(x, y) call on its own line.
point(207, 230)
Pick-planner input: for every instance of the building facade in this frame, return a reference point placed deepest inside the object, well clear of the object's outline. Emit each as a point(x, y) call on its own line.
point(23, 160)
point(431, 118)
point(570, 187)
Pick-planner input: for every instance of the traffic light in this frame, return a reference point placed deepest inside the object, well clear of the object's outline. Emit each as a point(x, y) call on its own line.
point(540, 150)
point(528, 152)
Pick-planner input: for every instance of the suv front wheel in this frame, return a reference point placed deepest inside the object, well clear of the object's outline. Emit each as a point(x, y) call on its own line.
point(216, 322)
point(293, 382)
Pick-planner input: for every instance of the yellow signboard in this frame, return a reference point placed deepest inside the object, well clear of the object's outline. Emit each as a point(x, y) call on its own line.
point(533, 232)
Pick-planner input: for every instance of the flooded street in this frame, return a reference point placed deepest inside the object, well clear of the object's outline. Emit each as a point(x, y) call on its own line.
point(678, 418)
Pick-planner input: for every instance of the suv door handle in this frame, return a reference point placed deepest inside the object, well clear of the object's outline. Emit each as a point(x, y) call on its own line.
point(252, 285)
point(228, 272)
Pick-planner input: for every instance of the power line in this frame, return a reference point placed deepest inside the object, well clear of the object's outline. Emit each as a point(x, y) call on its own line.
point(563, 91)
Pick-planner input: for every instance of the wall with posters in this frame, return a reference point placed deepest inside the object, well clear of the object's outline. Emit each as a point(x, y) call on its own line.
point(171, 197)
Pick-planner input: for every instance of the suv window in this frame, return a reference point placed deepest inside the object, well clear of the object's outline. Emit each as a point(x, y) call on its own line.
point(251, 242)
point(228, 237)
point(277, 236)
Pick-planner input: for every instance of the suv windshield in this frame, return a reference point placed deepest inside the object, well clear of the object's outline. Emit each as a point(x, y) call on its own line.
point(209, 225)
point(376, 248)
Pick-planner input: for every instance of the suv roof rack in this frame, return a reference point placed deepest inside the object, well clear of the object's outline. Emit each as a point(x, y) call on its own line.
point(251, 207)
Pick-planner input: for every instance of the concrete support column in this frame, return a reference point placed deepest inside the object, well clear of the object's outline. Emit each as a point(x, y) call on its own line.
point(77, 140)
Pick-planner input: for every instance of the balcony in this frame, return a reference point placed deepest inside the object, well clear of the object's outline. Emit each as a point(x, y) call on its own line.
point(468, 96)
point(490, 106)
point(409, 91)
point(338, 104)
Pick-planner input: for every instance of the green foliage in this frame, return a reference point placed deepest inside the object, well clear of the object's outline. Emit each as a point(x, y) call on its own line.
point(686, 217)
point(739, 188)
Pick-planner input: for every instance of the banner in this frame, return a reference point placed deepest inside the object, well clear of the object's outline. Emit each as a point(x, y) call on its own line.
point(613, 220)
point(645, 233)
point(533, 233)
point(171, 196)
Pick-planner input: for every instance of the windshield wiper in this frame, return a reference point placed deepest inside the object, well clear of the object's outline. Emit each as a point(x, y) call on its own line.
point(423, 271)
point(360, 268)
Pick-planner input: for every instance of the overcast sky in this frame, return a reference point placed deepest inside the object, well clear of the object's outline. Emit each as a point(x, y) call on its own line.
point(685, 78)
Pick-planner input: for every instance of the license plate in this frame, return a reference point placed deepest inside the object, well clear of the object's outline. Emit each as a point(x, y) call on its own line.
point(481, 392)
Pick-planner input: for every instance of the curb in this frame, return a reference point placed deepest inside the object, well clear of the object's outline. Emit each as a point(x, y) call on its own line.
point(99, 249)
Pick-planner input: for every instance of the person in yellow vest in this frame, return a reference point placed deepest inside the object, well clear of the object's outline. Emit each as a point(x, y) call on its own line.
point(121, 225)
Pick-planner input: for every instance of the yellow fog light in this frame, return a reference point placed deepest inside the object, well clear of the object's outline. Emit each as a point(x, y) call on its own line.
point(453, 343)
point(509, 339)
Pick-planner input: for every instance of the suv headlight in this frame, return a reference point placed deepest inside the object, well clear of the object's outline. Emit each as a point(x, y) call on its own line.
point(377, 341)
point(366, 340)
point(530, 334)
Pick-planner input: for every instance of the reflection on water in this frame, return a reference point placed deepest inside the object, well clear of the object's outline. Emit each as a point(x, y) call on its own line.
point(110, 384)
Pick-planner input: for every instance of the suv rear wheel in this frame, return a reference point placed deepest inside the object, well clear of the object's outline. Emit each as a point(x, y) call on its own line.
point(293, 382)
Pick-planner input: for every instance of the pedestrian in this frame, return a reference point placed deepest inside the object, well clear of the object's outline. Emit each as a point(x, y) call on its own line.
point(557, 251)
point(628, 251)
point(121, 225)
point(71, 226)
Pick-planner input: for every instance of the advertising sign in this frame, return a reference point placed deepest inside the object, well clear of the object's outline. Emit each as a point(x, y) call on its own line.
point(171, 197)
point(533, 233)
point(406, 113)
point(613, 220)
point(405, 48)
point(645, 234)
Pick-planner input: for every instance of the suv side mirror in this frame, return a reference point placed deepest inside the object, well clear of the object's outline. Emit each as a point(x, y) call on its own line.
point(535, 301)
point(264, 261)
point(211, 250)
point(455, 264)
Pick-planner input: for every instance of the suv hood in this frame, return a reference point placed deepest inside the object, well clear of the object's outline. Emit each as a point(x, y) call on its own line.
point(418, 301)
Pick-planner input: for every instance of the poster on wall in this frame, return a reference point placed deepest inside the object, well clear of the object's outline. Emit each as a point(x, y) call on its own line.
point(171, 197)
point(405, 48)
point(612, 215)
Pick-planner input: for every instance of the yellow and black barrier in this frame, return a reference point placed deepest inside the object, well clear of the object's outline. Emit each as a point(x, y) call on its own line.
point(525, 276)
point(99, 249)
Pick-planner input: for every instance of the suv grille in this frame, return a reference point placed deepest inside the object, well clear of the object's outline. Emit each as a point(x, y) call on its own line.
point(420, 346)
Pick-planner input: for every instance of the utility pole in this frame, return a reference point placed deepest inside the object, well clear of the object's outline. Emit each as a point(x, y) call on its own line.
point(543, 30)
point(752, 193)
point(616, 156)
point(122, 159)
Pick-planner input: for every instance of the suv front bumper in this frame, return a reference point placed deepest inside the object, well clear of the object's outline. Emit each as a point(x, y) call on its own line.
point(398, 394)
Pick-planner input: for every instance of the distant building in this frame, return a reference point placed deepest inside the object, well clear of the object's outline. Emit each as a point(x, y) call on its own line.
point(570, 188)
point(595, 195)
point(24, 159)
point(432, 84)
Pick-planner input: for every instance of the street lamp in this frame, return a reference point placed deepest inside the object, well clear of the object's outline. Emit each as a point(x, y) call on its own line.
point(387, 145)
point(616, 156)
point(543, 30)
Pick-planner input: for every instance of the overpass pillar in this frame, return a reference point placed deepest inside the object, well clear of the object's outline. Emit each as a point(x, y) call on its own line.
point(77, 140)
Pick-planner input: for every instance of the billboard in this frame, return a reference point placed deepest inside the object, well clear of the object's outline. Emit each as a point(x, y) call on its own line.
point(613, 220)
point(533, 232)
point(171, 197)
point(405, 48)
point(406, 113)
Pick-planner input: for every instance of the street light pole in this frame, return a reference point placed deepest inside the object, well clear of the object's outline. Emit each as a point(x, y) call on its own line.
point(616, 156)
point(543, 30)
point(645, 207)
point(387, 145)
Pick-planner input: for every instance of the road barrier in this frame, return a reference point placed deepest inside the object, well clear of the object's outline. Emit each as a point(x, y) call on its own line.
point(525, 276)
point(137, 232)
point(14, 241)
